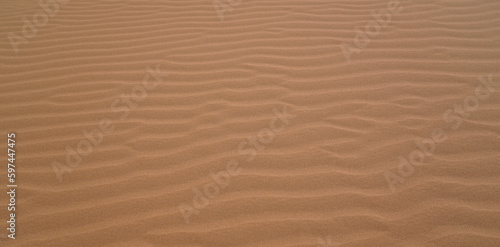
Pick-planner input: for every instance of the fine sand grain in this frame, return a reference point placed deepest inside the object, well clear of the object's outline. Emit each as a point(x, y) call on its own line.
point(125, 111)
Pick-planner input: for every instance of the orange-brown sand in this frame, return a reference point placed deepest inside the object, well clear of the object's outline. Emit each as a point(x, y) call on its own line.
point(250, 123)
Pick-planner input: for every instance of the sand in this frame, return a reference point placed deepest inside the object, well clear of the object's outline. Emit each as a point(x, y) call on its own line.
point(252, 123)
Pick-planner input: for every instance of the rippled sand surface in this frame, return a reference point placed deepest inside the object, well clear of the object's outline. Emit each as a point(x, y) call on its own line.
point(297, 123)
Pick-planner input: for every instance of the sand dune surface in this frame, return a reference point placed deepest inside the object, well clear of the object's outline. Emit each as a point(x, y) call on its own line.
point(251, 123)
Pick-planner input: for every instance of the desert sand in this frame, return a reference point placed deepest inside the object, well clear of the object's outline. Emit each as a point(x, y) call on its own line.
point(251, 123)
